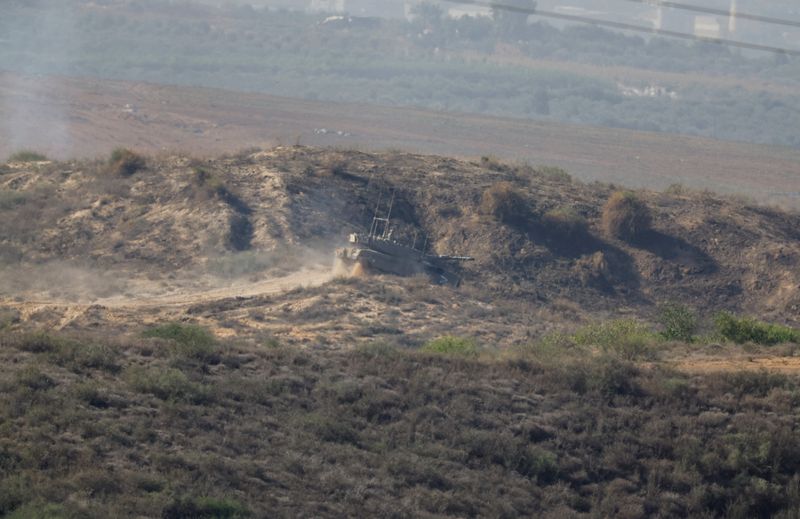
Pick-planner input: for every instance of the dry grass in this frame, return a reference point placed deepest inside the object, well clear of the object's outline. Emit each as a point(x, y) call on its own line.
point(625, 216)
point(27, 156)
point(386, 431)
point(565, 223)
point(506, 203)
point(125, 163)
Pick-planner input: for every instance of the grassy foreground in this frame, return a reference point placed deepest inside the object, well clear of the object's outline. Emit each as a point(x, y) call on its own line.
point(176, 424)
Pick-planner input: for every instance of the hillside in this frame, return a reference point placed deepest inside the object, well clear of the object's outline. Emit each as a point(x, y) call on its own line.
point(176, 342)
point(232, 226)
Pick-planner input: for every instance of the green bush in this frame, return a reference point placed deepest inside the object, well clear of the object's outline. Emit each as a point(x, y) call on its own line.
point(189, 340)
point(205, 507)
point(679, 321)
point(745, 329)
point(628, 338)
point(27, 156)
point(450, 345)
point(124, 162)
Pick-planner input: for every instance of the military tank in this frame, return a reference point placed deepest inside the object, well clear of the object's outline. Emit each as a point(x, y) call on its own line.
point(378, 251)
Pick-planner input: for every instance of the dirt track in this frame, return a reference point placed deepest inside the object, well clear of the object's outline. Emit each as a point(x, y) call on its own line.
point(307, 277)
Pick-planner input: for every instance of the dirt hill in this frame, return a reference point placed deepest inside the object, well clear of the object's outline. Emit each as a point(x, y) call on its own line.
point(82, 243)
point(175, 343)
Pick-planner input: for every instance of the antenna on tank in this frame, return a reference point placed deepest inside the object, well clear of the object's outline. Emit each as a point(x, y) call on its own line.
point(373, 229)
point(388, 217)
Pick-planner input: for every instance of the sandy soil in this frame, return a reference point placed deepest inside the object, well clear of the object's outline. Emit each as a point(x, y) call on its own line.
point(306, 277)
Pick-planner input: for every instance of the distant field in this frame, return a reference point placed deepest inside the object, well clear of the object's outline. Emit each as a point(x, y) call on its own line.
point(71, 117)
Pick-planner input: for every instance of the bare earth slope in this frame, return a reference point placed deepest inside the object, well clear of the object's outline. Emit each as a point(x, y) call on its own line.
point(72, 117)
point(220, 241)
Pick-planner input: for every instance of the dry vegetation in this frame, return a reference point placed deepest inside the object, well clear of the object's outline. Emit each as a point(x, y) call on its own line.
point(625, 216)
point(124, 162)
point(506, 203)
point(181, 425)
point(561, 379)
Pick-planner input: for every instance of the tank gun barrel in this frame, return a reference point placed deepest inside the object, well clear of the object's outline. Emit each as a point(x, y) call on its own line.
point(453, 258)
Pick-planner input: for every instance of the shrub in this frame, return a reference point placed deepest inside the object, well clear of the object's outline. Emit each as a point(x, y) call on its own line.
point(676, 190)
point(505, 203)
point(43, 511)
point(10, 199)
point(493, 163)
point(76, 355)
point(124, 162)
point(554, 173)
point(167, 384)
point(744, 329)
point(27, 156)
point(612, 377)
point(34, 342)
point(450, 345)
point(8, 317)
point(189, 340)
point(679, 321)
point(627, 338)
point(91, 393)
point(34, 380)
point(625, 216)
point(753, 383)
point(607, 333)
point(592, 269)
point(339, 168)
point(330, 428)
point(565, 222)
point(205, 507)
point(376, 350)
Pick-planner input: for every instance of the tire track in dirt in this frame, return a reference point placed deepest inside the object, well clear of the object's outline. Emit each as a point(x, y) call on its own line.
point(72, 310)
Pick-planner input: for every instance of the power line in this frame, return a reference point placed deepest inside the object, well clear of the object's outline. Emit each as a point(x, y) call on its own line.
point(628, 27)
point(719, 12)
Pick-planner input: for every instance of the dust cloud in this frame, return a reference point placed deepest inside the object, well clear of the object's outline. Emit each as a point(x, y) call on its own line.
point(243, 274)
point(59, 280)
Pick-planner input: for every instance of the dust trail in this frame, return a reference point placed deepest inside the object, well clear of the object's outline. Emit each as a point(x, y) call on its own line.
point(61, 284)
point(306, 277)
